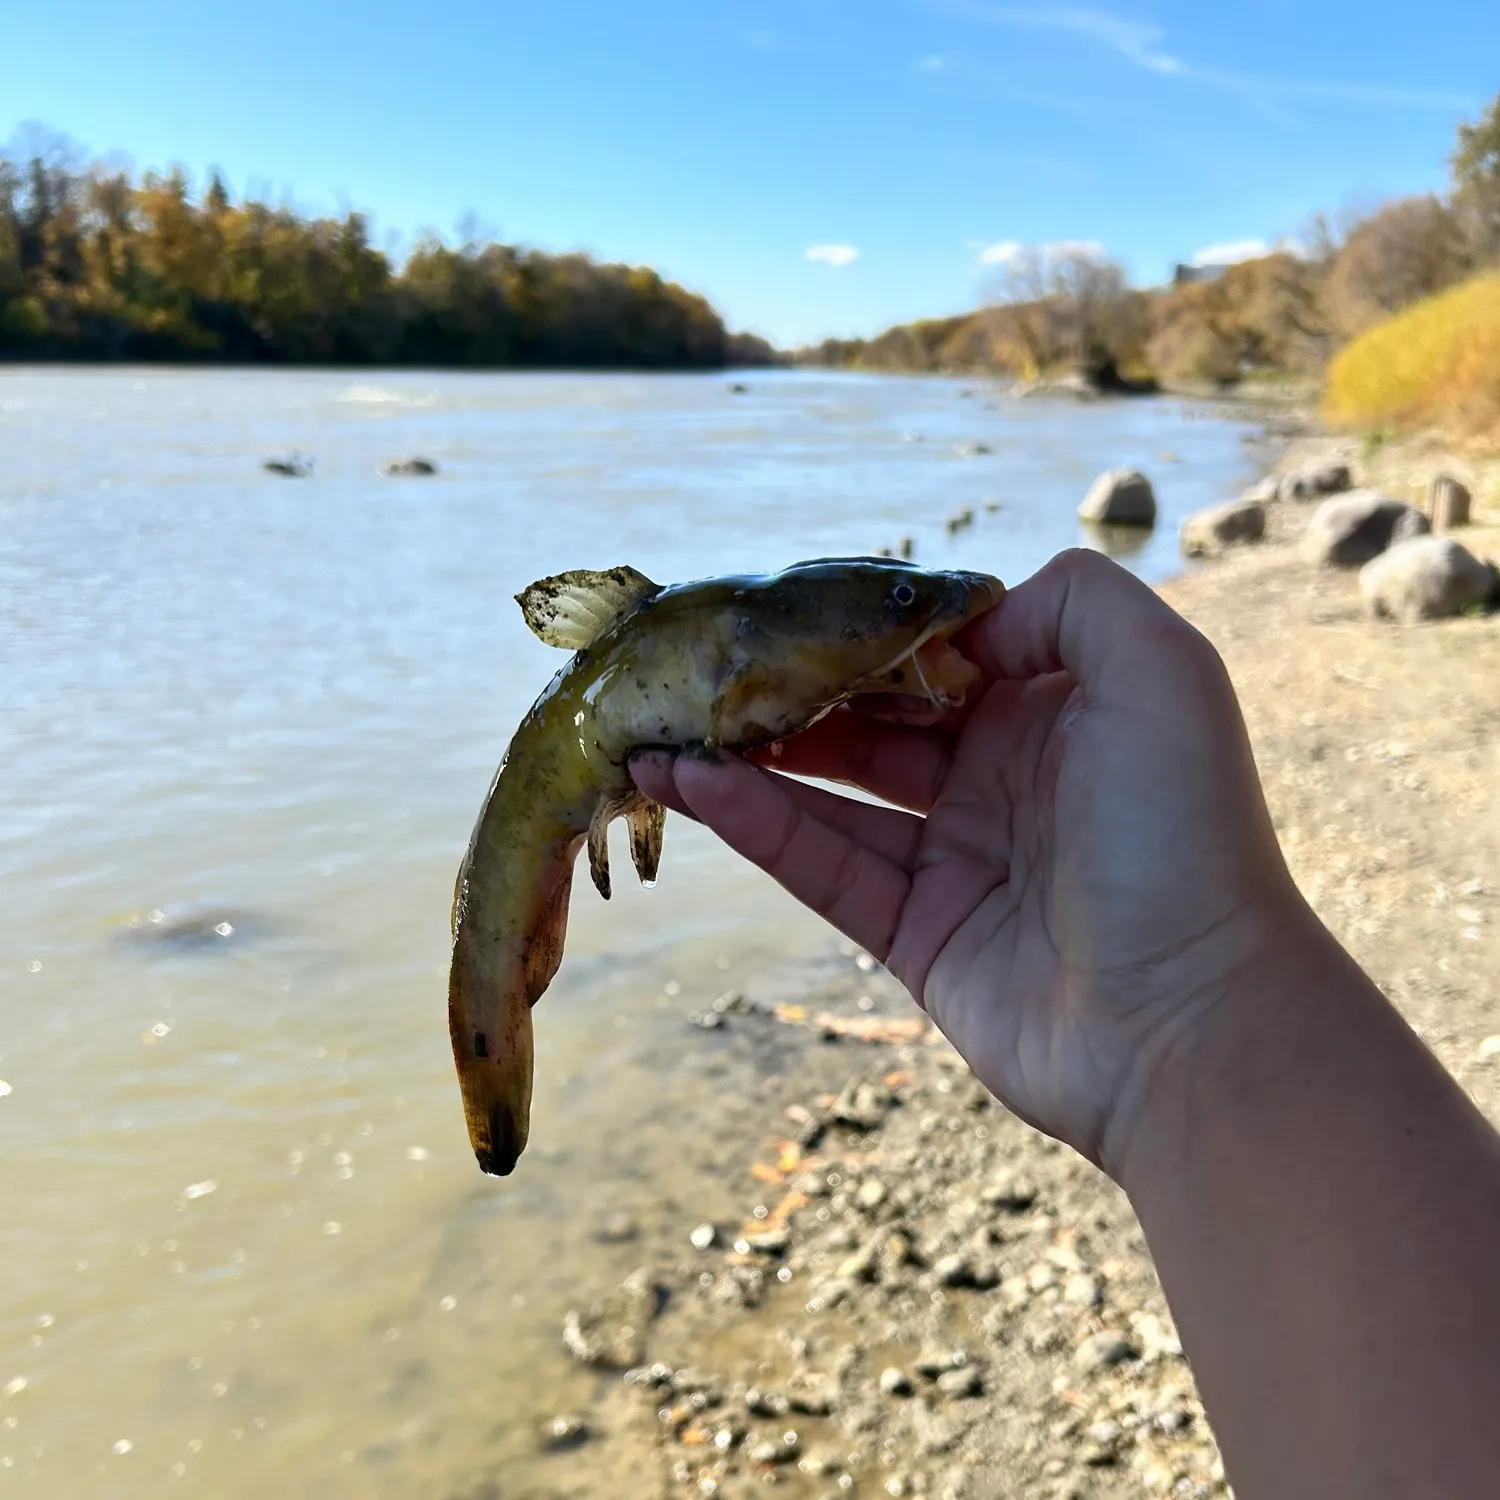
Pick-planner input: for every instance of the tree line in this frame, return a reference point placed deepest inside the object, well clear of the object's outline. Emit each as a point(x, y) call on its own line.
point(1070, 308)
point(97, 263)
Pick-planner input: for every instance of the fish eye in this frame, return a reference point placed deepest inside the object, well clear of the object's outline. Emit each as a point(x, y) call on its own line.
point(904, 593)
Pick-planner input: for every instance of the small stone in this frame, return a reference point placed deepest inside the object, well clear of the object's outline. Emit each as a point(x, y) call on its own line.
point(706, 1020)
point(962, 1384)
point(935, 1363)
point(1105, 1431)
point(954, 1270)
point(1083, 1290)
point(560, 1433)
point(1012, 1193)
point(1173, 1419)
point(858, 1267)
point(763, 1403)
point(871, 1193)
point(1489, 1047)
point(765, 1242)
point(894, 1382)
point(617, 1229)
point(703, 1237)
point(763, 1453)
point(862, 1105)
point(1100, 1350)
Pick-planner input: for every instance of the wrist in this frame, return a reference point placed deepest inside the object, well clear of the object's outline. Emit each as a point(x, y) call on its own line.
point(1263, 1009)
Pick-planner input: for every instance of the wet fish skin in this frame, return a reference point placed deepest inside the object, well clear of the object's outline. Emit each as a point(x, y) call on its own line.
point(733, 662)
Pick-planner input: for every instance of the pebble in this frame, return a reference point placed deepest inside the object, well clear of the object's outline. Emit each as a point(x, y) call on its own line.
point(706, 1020)
point(953, 1270)
point(961, 1384)
point(762, 1403)
point(934, 1364)
point(1489, 1047)
point(1100, 1350)
point(563, 1432)
point(765, 1242)
point(1013, 1193)
point(617, 1229)
point(871, 1193)
point(703, 1237)
point(1083, 1290)
point(894, 1382)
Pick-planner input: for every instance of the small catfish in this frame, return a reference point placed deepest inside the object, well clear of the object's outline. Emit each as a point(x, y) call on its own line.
point(732, 663)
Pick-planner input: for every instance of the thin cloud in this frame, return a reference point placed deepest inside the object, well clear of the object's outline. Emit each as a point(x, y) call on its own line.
point(933, 64)
point(837, 256)
point(1009, 252)
point(1138, 41)
point(1002, 254)
point(1144, 45)
point(1231, 253)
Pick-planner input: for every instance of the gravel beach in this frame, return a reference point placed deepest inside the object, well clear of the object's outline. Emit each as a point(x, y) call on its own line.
point(925, 1297)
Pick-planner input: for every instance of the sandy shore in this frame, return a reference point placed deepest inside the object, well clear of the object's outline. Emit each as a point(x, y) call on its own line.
point(925, 1297)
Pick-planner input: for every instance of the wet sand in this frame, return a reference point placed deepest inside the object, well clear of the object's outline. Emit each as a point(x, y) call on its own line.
point(915, 1294)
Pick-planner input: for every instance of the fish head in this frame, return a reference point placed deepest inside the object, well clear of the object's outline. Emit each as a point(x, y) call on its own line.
point(835, 628)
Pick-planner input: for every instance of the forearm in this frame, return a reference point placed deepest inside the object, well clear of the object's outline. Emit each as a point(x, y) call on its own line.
point(1323, 1203)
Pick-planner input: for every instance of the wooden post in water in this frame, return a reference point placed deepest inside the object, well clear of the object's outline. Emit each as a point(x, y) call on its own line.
point(1447, 503)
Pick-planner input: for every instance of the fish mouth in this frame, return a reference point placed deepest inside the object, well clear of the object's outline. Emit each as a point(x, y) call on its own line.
point(944, 673)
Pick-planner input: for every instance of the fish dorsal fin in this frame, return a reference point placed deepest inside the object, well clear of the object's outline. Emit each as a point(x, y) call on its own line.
point(571, 609)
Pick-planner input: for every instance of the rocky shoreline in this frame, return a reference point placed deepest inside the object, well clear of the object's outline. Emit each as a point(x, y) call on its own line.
point(924, 1296)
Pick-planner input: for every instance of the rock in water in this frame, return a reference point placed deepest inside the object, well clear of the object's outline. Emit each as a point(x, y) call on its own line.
point(611, 1334)
point(1120, 497)
point(1348, 531)
point(1314, 483)
point(408, 468)
point(1427, 578)
point(1447, 503)
point(1222, 526)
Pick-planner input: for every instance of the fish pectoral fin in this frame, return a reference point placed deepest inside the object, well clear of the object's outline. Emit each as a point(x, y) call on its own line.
point(646, 820)
point(604, 815)
point(571, 609)
point(748, 708)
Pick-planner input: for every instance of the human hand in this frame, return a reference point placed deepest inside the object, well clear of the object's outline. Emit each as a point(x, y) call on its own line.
point(1087, 867)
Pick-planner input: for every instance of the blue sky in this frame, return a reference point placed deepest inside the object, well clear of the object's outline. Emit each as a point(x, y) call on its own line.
point(722, 142)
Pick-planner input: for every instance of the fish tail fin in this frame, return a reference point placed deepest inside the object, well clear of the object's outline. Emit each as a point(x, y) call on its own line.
point(490, 995)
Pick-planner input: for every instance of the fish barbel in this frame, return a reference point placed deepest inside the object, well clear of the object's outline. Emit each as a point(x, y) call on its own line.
point(730, 663)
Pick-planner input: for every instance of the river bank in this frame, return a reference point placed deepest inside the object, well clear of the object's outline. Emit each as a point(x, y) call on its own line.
point(923, 1296)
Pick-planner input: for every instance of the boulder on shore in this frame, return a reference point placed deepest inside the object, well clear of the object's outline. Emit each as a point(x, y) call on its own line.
point(1222, 526)
point(1313, 483)
point(1347, 531)
point(1427, 578)
point(1120, 497)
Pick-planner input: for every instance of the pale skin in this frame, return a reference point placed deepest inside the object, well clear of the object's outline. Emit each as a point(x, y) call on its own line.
point(1077, 878)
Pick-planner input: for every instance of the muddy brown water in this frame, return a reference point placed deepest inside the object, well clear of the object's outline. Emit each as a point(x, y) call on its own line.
point(246, 1248)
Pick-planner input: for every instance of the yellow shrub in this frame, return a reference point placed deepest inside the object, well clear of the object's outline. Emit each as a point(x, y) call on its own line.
point(1435, 364)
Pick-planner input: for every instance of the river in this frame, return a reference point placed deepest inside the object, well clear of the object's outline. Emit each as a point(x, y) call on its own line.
point(247, 722)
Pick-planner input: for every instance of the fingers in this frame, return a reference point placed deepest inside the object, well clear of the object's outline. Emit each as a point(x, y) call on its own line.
point(651, 770)
point(856, 889)
point(1081, 614)
point(895, 762)
point(891, 834)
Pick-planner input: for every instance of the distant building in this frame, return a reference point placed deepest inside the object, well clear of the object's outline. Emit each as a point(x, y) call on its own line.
point(1183, 275)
